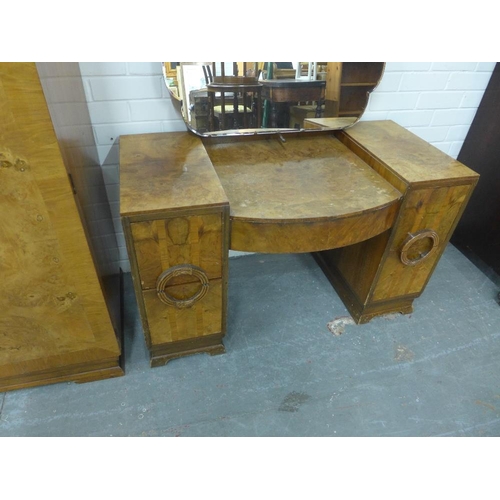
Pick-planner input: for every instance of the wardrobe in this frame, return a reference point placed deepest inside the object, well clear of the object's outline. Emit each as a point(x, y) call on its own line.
point(60, 294)
point(478, 233)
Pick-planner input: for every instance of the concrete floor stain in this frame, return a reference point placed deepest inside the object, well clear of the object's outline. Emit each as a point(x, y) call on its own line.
point(337, 326)
point(402, 353)
point(293, 401)
point(486, 405)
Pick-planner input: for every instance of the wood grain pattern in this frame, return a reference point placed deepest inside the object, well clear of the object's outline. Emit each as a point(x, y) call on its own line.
point(169, 324)
point(435, 209)
point(370, 276)
point(171, 332)
point(166, 170)
point(409, 157)
point(183, 220)
point(161, 244)
point(311, 236)
point(307, 193)
point(354, 267)
point(356, 195)
point(55, 322)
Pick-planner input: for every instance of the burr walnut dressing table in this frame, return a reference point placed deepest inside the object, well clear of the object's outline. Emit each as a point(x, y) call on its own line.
point(375, 204)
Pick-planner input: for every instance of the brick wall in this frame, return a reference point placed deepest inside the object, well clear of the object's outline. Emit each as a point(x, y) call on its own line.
point(436, 101)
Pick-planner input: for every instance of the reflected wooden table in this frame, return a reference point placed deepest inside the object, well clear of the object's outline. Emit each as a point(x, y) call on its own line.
point(281, 93)
point(374, 204)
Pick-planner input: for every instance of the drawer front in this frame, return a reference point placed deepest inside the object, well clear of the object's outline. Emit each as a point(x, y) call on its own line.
point(164, 243)
point(168, 323)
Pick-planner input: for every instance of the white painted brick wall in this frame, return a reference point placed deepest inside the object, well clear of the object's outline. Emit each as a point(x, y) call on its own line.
point(436, 101)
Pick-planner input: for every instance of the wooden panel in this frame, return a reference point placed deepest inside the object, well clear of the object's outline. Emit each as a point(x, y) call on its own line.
point(356, 265)
point(332, 92)
point(175, 212)
point(479, 229)
point(390, 175)
point(370, 276)
point(289, 196)
point(160, 171)
point(169, 324)
point(35, 275)
point(65, 96)
point(411, 158)
point(55, 322)
point(161, 244)
point(362, 73)
point(304, 177)
point(311, 236)
point(352, 100)
point(435, 209)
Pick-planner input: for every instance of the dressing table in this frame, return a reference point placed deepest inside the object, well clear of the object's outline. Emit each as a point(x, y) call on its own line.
point(374, 204)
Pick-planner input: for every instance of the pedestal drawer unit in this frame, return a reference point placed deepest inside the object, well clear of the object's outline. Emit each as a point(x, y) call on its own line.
point(386, 273)
point(176, 220)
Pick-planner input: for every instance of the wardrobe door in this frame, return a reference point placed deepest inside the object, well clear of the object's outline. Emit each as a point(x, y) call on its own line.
point(479, 229)
point(54, 322)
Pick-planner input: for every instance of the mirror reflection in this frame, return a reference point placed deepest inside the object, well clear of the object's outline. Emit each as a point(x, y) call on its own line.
point(224, 98)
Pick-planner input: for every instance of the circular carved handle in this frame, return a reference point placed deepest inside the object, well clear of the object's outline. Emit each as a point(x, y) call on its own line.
point(412, 239)
point(167, 275)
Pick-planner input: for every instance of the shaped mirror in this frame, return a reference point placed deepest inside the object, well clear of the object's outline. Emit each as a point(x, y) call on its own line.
point(235, 98)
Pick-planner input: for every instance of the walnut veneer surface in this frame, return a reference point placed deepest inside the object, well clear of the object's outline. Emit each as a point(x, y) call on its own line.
point(54, 321)
point(374, 203)
point(301, 194)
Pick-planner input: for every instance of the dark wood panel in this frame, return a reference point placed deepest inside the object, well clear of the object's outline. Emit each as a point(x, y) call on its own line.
point(479, 229)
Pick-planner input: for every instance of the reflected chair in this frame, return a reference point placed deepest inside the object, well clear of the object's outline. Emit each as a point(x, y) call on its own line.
point(234, 101)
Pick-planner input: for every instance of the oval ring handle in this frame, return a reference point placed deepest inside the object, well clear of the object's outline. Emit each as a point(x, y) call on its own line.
point(414, 237)
point(166, 276)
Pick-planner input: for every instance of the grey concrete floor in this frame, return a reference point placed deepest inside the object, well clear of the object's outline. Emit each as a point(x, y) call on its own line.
point(435, 372)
